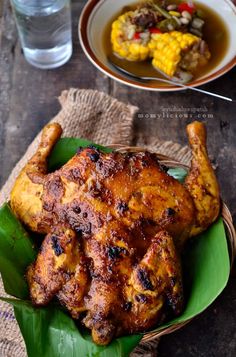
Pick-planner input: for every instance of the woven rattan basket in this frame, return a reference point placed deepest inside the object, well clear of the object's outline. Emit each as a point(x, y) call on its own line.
point(226, 216)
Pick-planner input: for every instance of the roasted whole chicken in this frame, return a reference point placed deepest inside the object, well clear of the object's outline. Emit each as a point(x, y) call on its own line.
point(115, 225)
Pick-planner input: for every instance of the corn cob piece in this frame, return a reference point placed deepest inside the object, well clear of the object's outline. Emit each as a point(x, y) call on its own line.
point(168, 50)
point(123, 43)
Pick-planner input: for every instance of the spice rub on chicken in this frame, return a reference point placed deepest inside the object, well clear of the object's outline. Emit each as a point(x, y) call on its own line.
point(115, 224)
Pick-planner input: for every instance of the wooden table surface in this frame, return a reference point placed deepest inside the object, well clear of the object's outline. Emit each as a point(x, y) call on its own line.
point(28, 99)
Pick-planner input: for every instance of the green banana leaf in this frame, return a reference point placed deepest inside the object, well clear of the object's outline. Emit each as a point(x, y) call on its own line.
point(16, 253)
point(50, 331)
point(178, 173)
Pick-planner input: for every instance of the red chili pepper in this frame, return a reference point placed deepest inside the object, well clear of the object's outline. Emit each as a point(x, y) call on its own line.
point(136, 36)
point(186, 7)
point(154, 30)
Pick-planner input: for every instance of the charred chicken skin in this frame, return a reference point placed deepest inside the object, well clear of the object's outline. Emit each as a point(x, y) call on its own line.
point(115, 224)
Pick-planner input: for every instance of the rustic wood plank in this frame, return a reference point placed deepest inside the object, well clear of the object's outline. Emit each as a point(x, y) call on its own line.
point(212, 334)
point(28, 101)
point(7, 44)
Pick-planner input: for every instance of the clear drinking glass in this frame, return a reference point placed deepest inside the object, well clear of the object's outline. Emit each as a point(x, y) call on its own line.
point(44, 28)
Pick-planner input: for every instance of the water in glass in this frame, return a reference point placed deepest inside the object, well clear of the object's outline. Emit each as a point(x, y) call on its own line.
point(44, 28)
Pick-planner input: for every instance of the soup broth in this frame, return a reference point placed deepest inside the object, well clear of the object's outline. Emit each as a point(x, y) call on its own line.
point(215, 33)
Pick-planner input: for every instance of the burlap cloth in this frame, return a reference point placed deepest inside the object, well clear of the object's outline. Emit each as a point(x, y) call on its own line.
point(104, 120)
